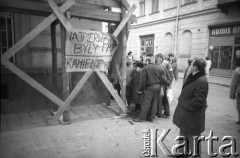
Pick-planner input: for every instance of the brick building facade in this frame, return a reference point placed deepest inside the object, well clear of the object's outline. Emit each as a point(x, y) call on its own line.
point(189, 28)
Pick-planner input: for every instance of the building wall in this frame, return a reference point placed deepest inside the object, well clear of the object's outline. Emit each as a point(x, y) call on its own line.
point(195, 17)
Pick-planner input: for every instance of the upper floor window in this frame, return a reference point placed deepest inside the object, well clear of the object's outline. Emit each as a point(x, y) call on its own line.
point(142, 7)
point(188, 1)
point(170, 4)
point(6, 32)
point(154, 6)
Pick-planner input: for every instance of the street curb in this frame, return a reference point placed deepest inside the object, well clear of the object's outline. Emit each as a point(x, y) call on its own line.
point(225, 85)
point(221, 84)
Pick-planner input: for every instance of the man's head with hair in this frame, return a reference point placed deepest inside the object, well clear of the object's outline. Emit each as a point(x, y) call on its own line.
point(159, 58)
point(170, 55)
point(199, 64)
point(207, 58)
point(129, 53)
point(150, 58)
point(140, 64)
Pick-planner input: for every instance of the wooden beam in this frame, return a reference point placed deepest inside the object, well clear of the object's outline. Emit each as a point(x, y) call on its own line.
point(60, 15)
point(124, 21)
point(65, 75)
point(106, 3)
point(54, 61)
point(114, 93)
point(43, 9)
point(98, 15)
point(124, 54)
point(125, 4)
point(118, 71)
point(32, 34)
point(31, 82)
point(73, 94)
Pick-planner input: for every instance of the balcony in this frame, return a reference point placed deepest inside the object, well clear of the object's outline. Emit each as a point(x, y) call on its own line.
point(224, 5)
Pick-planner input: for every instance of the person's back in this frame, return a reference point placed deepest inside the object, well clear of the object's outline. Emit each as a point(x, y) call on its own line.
point(151, 84)
point(151, 74)
point(168, 66)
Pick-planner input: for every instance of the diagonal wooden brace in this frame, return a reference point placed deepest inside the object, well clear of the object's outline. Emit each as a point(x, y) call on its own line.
point(73, 94)
point(31, 82)
point(124, 21)
point(32, 34)
point(60, 15)
point(114, 93)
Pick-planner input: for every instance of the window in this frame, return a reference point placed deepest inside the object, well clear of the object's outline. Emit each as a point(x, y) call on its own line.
point(186, 44)
point(6, 33)
point(147, 44)
point(154, 6)
point(142, 7)
point(170, 4)
point(188, 1)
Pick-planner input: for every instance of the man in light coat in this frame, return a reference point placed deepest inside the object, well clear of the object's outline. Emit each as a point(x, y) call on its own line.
point(235, 89)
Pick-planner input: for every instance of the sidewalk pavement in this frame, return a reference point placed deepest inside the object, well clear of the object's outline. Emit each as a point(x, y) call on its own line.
point(224, 81)
point(106, 137)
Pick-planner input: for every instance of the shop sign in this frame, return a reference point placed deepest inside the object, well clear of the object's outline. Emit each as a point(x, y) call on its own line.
point(88, 50)
point(230, 30)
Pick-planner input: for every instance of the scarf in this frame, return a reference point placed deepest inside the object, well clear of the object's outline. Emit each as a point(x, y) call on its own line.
point(192, 78)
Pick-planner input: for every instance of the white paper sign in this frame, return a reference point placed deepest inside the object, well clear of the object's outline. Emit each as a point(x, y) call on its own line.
point(88, 50)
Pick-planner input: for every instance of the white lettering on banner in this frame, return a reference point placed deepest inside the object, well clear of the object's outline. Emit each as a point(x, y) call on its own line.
point(88, 50)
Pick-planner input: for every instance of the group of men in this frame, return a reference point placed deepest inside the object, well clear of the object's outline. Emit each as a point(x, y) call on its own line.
point(153, 75)
point(189, 116)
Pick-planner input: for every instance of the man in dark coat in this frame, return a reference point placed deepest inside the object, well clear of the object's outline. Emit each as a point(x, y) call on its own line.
point(189, 114)
point(136, 85)
point(235, 90)
point(151, 84)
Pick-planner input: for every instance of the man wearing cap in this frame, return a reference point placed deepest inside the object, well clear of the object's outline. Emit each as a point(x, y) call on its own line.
point(151, 80)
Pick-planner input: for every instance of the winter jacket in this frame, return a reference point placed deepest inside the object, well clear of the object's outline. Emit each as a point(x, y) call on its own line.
point(136, 86)
point(151, 74)
point(168, 66)
point(235, 84)
point(189, 114)
point(129, 75)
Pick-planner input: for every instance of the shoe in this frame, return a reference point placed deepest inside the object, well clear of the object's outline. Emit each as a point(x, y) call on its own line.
point(150, 120)
point(164, 116)
point(137, 120)
point(238, 123)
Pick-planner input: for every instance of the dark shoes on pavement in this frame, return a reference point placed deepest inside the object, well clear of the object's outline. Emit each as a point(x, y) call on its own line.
point(137, 120)
point(141, 120)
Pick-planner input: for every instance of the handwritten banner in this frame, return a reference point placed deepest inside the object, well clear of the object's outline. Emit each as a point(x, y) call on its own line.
point(88, 50)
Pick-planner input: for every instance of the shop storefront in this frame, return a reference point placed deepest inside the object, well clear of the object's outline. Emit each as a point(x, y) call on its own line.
point(224, 48)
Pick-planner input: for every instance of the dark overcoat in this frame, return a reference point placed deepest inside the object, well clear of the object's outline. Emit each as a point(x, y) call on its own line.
point(136, 86)
point(192, 103)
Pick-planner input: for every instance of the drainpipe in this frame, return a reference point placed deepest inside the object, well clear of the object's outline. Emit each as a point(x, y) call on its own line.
point(176, 30)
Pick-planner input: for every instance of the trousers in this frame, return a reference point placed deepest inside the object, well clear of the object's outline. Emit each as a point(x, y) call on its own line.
point(149, 105)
